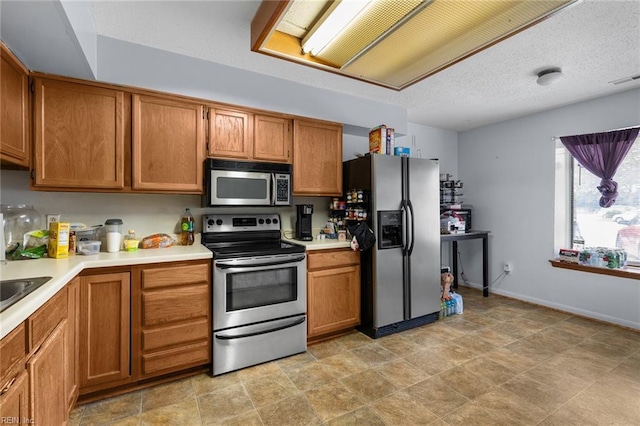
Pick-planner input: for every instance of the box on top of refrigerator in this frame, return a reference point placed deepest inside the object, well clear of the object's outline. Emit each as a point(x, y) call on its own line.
point(59, 240)
point(378, 139)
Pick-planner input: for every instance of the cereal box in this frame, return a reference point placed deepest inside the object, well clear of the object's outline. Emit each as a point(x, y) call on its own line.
point(59, 240)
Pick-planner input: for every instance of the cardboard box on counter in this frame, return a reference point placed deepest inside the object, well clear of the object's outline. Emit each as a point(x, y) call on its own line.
point(59, 240)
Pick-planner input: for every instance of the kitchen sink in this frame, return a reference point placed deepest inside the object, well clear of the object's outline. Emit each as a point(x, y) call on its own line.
point(13, 290)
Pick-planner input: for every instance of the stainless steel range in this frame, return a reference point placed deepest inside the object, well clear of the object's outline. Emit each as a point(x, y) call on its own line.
point(259, 291)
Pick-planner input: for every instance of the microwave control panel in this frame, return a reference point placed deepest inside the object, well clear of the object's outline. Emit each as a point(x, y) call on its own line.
point(282, 189)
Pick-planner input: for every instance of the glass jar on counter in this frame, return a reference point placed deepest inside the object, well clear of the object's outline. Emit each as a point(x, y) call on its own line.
point(18, 219)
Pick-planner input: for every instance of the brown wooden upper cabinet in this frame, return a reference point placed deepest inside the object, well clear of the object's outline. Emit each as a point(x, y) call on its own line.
point(243, 135)
point(79, 135)
point(14, 109)
point(317, 158)
point(272, 138)
point(168, 145)
point(230, 134)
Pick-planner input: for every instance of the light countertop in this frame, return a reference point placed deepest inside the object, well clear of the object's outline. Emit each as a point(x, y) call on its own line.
point(64, 270)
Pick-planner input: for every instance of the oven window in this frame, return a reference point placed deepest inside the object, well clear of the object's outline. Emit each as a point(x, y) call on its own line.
point(261, 288)
point(244, 188)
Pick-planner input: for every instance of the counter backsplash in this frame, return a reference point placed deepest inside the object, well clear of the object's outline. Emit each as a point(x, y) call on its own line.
point(145, 213)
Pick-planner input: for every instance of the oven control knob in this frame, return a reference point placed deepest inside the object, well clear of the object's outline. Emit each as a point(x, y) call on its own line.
point(210, 222)
point(260, 221)
point(275, 221)
point(219, 222)
point(268, 221)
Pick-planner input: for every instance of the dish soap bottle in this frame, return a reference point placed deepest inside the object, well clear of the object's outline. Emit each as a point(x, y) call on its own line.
point(186, 225)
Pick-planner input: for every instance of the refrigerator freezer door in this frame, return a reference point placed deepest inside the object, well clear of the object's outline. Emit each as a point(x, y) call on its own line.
point(388, 291)
point(425, 257)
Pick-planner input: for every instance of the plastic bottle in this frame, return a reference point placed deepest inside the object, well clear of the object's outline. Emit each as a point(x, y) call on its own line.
point(186, 225)
point(130, 241)
point(442, 309)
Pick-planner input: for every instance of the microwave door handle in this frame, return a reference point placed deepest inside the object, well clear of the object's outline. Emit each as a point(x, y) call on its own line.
point(259, 332)
point(273, 189)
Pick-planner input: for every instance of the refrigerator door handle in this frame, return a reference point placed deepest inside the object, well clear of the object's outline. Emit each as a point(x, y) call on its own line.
point(405, 228)
point(412, 229)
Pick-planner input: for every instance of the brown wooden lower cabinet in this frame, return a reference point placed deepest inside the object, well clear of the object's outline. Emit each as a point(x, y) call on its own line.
point(105, 321)
point(173, 317)
point(73, 341)
point(333, 292)
point(106, 332)
point(39, 394)
point(14, 399)
point(47, 379)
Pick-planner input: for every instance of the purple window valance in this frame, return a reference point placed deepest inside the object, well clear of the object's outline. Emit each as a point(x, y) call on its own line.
point(601, 154)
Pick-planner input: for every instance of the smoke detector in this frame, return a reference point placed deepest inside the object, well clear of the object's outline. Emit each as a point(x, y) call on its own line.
point(549, 76)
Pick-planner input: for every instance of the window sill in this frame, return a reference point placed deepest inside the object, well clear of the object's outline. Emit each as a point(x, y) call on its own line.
point(628, 272)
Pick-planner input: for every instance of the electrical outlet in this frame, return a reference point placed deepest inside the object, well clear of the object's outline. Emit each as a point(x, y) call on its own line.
point(508, 267)
point(52, 218)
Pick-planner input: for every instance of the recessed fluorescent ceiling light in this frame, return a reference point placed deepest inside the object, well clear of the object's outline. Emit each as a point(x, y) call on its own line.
point(390, 43)
point(334, 21)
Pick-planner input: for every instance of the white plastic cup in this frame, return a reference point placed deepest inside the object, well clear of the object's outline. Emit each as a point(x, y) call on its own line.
point(113, 241)
point(114, 235)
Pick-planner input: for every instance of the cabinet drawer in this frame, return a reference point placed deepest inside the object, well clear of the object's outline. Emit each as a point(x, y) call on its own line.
point(179, 304)
point(164, 337)
point(176, 359)
point(332, 258)
point(12, 350)
point(165, 277)
point(45, 319)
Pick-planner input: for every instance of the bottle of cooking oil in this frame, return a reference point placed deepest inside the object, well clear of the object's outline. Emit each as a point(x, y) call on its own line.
point(186, 225)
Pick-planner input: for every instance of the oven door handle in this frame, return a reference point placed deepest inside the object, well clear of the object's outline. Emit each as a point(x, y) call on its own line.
point(258, 264)
point(259, 332)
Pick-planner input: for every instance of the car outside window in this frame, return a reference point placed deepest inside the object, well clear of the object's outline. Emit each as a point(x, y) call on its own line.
point(616, 226)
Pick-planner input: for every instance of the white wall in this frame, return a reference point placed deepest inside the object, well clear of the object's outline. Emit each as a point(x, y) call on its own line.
point(508, 173)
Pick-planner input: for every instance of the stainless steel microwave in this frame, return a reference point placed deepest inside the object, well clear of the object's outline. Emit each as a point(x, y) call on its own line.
point(242, 183)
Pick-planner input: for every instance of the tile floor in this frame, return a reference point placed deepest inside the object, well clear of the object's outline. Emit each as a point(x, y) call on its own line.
point(502, 362)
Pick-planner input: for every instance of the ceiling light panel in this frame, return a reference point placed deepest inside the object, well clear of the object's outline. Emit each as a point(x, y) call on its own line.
point(443, 33)
point(372, 23)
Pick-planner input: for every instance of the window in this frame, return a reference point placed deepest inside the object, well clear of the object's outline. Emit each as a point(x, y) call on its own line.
point(616, 226)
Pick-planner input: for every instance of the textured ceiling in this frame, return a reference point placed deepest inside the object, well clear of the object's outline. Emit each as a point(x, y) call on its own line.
point(594, 42)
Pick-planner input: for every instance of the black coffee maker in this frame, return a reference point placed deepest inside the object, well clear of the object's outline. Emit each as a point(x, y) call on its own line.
point(303, 222)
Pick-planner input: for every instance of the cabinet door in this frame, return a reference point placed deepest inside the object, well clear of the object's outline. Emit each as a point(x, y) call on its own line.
point(333, 300)
point(48, 379)
point(271, 138)
point(79, 135)
point(104, 330)
point(14, 107)
point(168, 145)
point(73, 304)
point(317, 158)
point(14, 399)
point(230, 134)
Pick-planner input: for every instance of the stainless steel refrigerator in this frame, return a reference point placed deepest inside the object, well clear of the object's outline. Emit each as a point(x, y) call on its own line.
point(401, 274)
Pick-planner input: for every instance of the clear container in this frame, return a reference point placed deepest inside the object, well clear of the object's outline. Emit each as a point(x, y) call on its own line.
point(18, 219)
point(113, 234)
point(88, 247)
